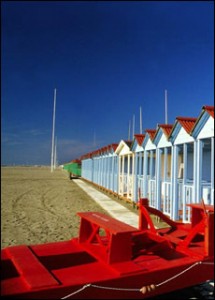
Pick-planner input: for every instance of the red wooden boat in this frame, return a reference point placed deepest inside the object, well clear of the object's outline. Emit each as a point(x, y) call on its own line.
point(112, 260)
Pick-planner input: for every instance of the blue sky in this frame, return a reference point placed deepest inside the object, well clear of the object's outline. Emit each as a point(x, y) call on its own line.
point(106, 59)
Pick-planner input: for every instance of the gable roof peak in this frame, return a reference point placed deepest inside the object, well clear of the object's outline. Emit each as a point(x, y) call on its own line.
point(140, 138)
point(187, 123)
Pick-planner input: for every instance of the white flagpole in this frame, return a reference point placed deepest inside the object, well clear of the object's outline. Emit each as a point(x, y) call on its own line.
point(141, 128)
point(129, 130)
point(53, 133)
point(166, 115)
point(133, 126)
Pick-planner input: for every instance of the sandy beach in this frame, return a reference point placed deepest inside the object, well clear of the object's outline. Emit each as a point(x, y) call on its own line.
point(38, 206)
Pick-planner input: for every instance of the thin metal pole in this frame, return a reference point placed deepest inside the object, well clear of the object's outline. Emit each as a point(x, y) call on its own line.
point(53, 133)
point(141, 120)
point(133, 126)
point(129, 130)
point(166, 114)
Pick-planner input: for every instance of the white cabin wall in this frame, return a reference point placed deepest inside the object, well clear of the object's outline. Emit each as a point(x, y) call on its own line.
point(208, 129)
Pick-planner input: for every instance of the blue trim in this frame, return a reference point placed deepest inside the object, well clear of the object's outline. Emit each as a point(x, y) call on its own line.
point(134, 146)
point(147, 137)
point(175, 132)
point(158, 136)
point(200, 124)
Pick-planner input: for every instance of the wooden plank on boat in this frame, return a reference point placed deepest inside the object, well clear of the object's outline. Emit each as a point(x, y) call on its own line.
point(33, 273)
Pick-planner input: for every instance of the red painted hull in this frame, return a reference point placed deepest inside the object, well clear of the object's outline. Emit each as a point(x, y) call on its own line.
point(85, 268)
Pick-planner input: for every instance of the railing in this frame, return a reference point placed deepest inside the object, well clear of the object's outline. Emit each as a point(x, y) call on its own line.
point(140, 186)
point(121, 184)
point(207, 193)
point(125, 185)
point(166, 196)
point(187, 199)
point(185, 194)
point(143, 185)
point(152, 192)
point(130, 185)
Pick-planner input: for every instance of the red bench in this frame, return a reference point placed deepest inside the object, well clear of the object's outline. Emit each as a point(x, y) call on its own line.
point(105, 238)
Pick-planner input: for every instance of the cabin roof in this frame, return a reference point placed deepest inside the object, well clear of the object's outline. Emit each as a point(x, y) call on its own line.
point(187, 123)
point(163, 129)
point(128, 143)
point(139, 138)
point(166, 128)
point(206, 113)
point(151, 133)
point(123, 144)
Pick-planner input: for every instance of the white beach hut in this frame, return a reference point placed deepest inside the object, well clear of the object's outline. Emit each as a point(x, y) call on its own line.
point(125, 169)
point(149, 164)
point(172, 165)
point(203, 133)
point(107, 167)
point(101, 167)
point(87, 166)
point(137, 151)
point(183, 168)
point(96, 164)
point(163, 167)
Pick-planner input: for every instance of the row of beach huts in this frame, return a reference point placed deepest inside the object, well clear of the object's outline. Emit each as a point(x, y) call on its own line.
point(172, 165)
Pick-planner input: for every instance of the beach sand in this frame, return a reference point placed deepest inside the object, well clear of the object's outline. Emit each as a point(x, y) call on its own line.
point(38, 206)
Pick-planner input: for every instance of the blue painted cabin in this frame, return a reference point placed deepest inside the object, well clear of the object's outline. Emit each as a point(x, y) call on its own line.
point(172, 165)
